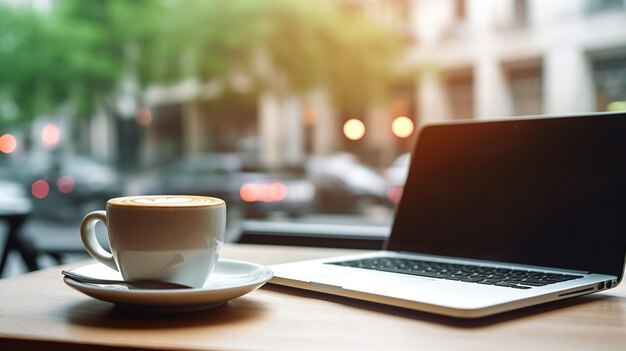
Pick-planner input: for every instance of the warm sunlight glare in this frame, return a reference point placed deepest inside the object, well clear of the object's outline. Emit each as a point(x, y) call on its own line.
point(402, 127)
point(354, 129)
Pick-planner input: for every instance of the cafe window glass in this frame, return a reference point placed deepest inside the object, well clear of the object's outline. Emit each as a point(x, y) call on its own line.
point(285, 108)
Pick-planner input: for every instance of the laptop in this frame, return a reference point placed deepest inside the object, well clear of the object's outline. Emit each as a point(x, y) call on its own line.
point(496, 215)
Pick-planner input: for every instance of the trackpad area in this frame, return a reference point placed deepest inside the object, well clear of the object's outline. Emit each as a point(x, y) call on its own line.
point(371, 281)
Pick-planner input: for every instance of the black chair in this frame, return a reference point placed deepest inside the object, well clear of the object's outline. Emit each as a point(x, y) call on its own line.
point(14, 241)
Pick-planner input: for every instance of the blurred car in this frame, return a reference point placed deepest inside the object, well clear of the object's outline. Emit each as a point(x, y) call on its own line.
point(252, 190)
point(287, 191)
point(14, 197)
point(62, 185)
point(205, 175)
point(344, 185)
point(396, 176)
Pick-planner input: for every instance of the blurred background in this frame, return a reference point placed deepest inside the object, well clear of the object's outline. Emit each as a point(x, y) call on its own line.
point(300, 114)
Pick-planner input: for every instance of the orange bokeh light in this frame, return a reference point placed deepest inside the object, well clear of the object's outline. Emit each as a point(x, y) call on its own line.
point(248, 192)
point(8, 143)
point(50, 135)
point(268, 192)
point(276, 192)
point(354, 129)
point(402, 126)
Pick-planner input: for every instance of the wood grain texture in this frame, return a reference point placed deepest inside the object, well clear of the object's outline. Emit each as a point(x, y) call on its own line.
point(38, 311)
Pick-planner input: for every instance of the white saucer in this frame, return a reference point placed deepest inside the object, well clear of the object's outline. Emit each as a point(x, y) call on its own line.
point(230, 279)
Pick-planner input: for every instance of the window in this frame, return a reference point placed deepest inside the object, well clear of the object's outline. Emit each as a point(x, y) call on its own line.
point(609, 77)
point(520, 12)
point(460, 10)
point(598, 6)
point(460, 86)
point(526, 85)
point(298, 93)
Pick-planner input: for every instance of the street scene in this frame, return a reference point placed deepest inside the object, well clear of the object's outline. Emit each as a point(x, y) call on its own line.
point(293, 112)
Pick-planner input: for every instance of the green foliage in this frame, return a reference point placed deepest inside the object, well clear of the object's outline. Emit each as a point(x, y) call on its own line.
point(201, 39)
point(286, 45)
point(77, 53)
point(321, 45)
point(28, 52)
point(73, 55)
point(103, 34)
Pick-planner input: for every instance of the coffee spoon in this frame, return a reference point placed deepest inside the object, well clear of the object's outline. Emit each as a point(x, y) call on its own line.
point(137, 284)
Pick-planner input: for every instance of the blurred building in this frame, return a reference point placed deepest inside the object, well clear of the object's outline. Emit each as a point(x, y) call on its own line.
point(482, 59)
point(466, 59)
point(490, 59)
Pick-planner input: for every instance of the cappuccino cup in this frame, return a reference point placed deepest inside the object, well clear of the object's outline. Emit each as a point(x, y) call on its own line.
point(172, 238)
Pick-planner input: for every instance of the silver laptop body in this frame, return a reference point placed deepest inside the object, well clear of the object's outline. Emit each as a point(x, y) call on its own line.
point(514, 200)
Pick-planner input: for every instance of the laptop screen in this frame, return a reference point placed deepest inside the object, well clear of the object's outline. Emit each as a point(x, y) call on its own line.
point(546, 192)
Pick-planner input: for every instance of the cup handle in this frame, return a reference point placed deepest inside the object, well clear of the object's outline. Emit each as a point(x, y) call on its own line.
point(88, 236)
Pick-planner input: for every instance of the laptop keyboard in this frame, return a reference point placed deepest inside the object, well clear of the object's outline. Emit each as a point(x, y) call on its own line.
point(504, 277)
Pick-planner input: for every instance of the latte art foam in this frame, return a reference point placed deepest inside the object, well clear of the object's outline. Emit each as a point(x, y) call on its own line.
point(166, 201)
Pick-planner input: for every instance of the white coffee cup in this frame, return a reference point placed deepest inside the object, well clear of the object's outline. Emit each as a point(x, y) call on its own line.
point(173, 238)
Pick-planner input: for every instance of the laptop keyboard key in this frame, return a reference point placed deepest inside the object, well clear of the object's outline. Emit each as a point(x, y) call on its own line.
point(472, 280)
point(508, 285)
point(534, 283)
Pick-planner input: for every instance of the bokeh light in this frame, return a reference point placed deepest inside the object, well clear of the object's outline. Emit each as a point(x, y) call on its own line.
point(394, 194)
point(8, 143)
point(40, 189)
point(354, 129)
point(616, 106)
point(65, 184)
point(267, 192)
point(276, 192)
point(402, 127)
point(50, 135)
point(248, 192)
point(143, 117)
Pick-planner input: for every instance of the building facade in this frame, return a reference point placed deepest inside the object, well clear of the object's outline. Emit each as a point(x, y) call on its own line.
point(518, 57)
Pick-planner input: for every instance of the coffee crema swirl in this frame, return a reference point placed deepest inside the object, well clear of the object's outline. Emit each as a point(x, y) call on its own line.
point(166, 201)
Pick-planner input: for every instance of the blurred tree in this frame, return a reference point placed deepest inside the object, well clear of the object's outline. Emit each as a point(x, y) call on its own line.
point(322, 44)
point(31, 76)
point(105, 36)
point(284, 45)
point(80, 53)
point(73, 55)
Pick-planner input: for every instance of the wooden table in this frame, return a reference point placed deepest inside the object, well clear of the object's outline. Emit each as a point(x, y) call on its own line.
point(38, 311)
